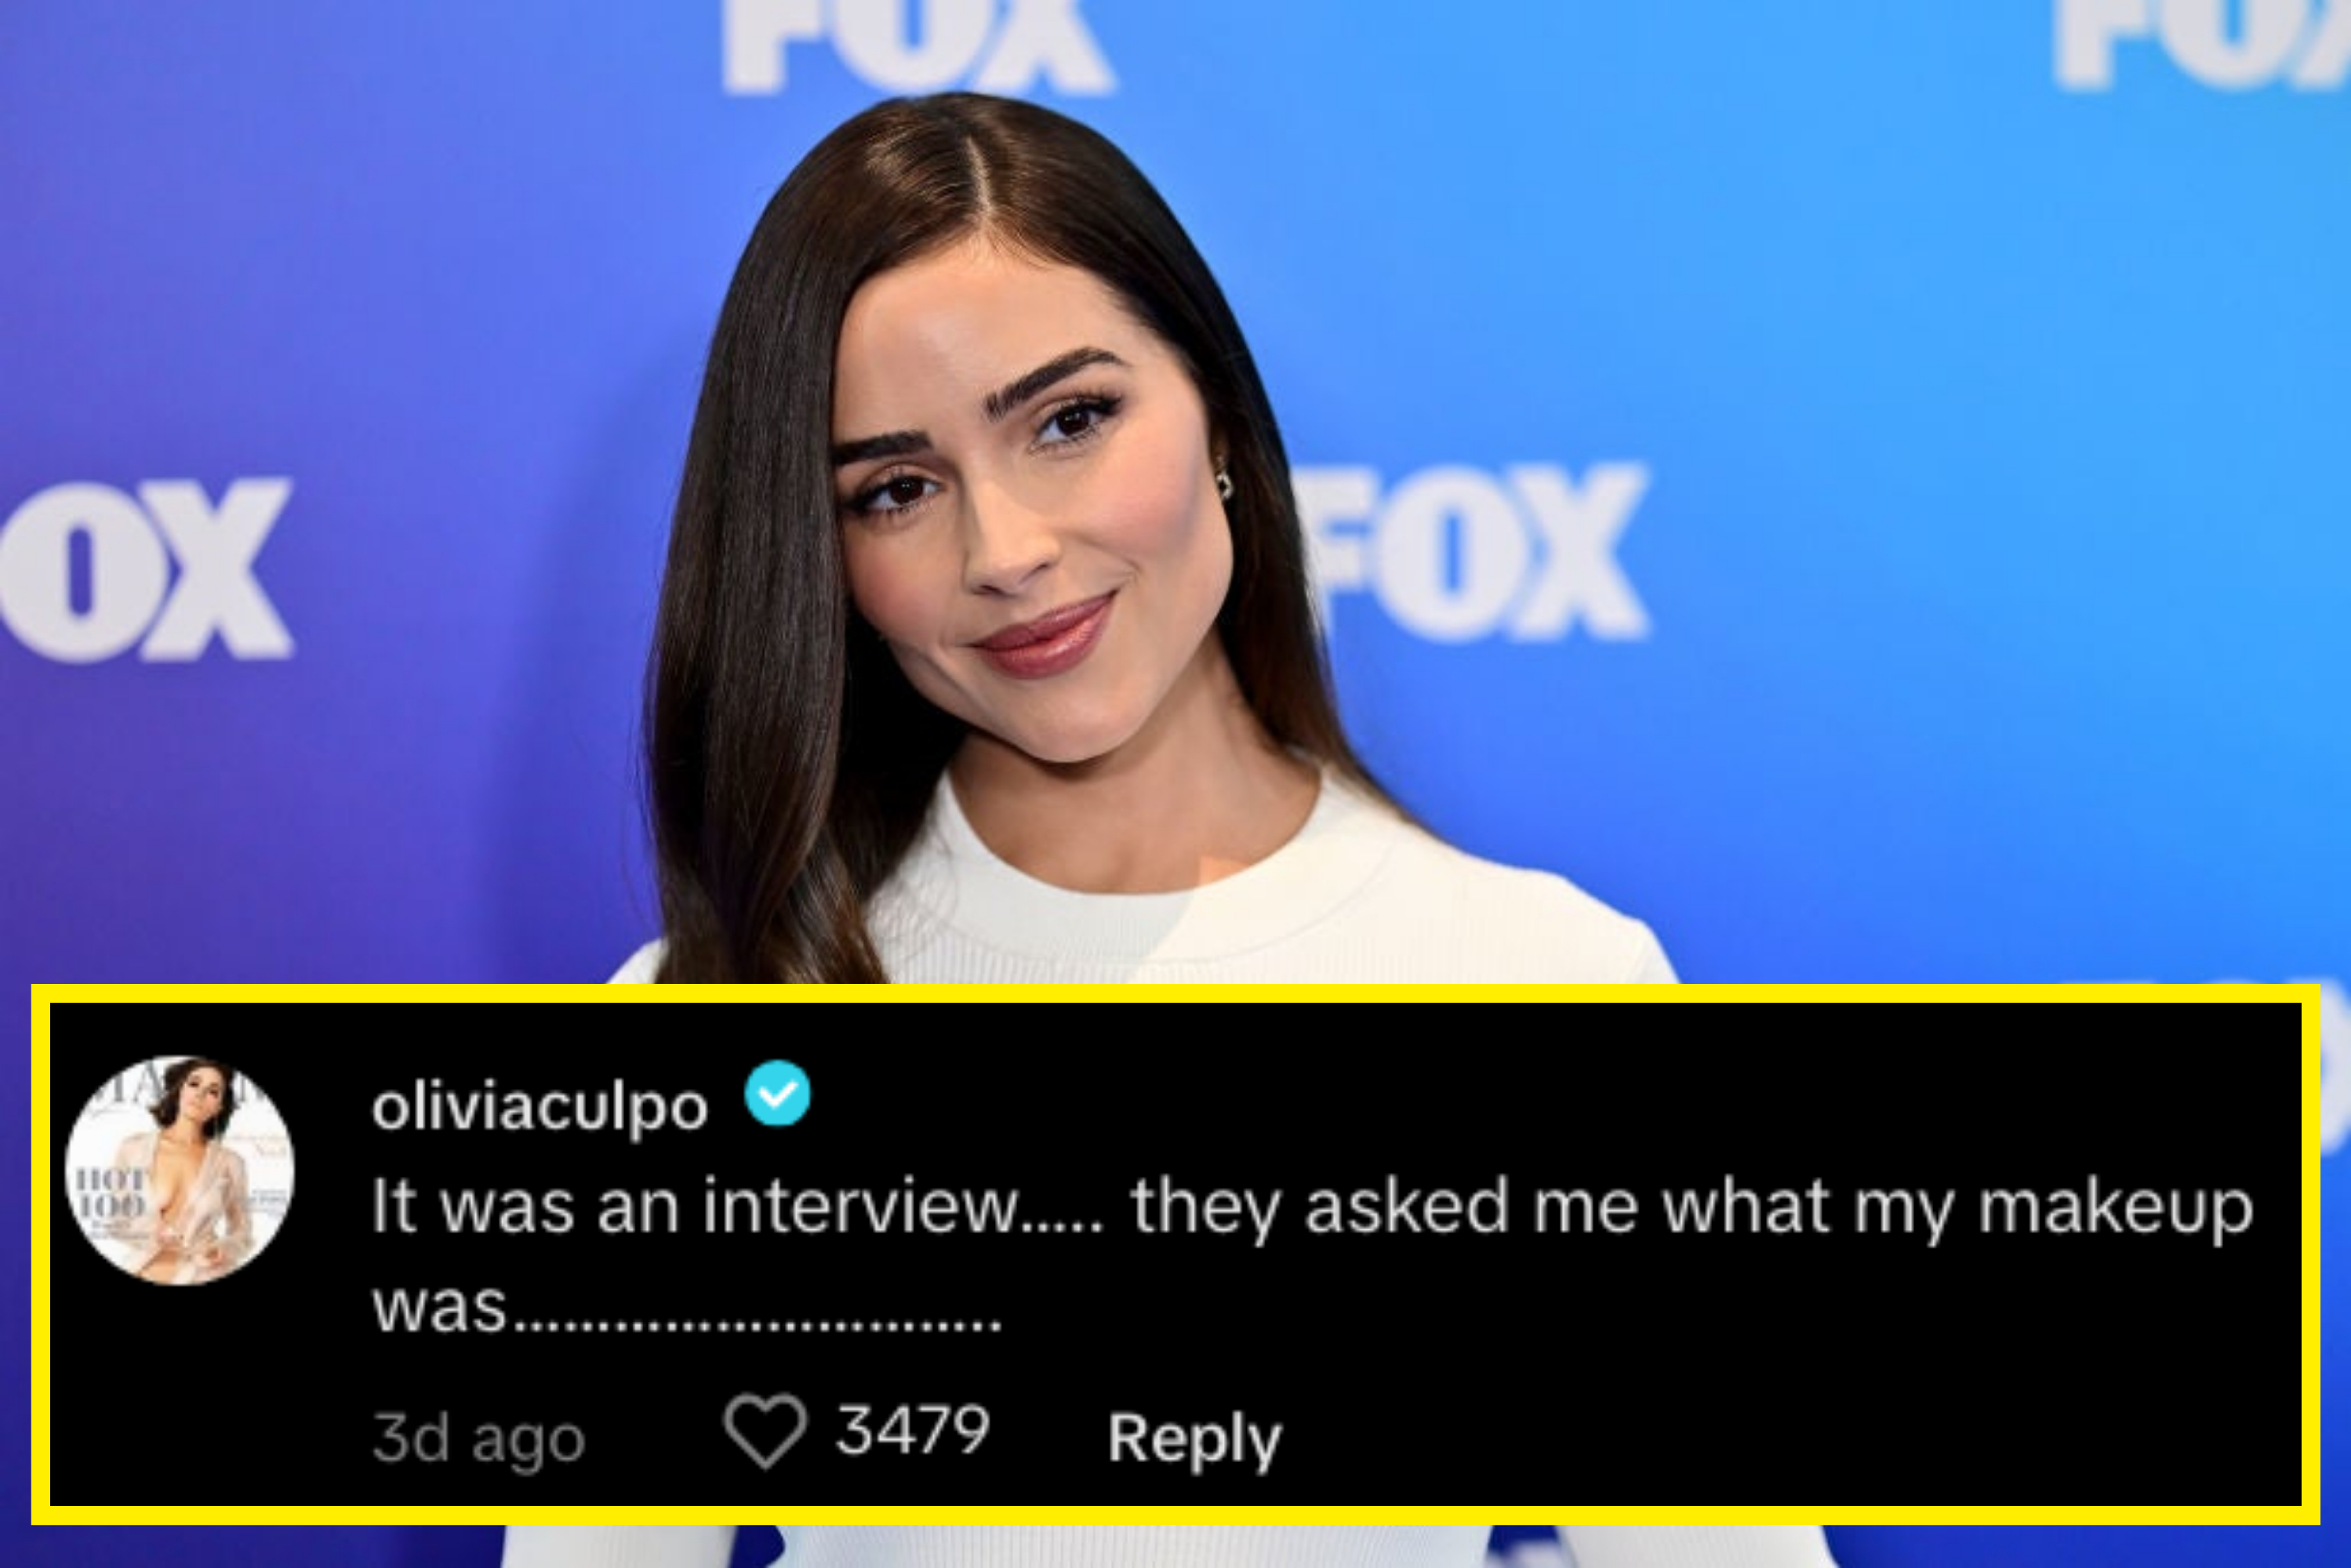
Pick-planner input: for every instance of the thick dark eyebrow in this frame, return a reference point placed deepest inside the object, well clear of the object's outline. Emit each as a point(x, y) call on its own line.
point(1004, 400)
point(997, 405)
point(898, 443)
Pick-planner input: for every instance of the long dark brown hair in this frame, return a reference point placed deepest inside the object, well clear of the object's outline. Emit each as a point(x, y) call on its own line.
point(789, 763)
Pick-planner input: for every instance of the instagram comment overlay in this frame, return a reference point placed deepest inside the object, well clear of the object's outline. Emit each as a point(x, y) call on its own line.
point(575, 1252)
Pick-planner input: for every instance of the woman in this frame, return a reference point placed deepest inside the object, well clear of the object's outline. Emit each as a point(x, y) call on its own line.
point(986, 648)
point(193, 1223)
point(987, 652)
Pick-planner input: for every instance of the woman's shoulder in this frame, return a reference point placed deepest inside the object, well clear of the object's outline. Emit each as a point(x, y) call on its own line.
point(643, 966)
point(1526, 919)
point(135, 1149)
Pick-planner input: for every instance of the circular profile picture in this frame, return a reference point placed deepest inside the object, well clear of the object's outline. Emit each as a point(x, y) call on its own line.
point(179, 1169)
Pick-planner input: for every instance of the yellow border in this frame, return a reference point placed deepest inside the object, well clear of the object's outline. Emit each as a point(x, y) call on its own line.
point(2306, 1513)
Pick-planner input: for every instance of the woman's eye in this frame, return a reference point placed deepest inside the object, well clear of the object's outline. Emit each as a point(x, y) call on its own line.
point(892, 495)
point(1076, 420)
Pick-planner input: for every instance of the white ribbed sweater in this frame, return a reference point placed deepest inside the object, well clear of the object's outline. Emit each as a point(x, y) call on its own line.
point(1358, 896)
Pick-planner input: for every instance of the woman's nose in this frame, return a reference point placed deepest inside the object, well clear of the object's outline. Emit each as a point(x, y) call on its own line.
point(1007, 542)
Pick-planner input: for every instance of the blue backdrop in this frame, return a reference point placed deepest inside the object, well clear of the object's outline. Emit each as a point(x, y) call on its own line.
point(1861, 488)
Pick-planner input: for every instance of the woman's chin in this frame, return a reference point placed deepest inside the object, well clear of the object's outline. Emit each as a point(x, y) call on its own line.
point(1071, 751)
point(1073, 741)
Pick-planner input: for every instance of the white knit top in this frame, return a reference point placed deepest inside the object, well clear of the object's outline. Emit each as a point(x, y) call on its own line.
point(1358, 896)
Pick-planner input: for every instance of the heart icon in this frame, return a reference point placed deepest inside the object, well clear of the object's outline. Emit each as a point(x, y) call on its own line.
point(753, 1423)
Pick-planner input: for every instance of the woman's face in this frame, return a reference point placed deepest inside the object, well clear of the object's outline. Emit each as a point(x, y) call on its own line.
point(200, 1096)
point(1029, 505)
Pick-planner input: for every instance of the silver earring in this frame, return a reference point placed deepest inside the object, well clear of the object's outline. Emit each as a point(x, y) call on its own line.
point(1224, 483)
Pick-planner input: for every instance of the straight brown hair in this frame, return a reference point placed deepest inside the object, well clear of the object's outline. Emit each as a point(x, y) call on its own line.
point(789, 762)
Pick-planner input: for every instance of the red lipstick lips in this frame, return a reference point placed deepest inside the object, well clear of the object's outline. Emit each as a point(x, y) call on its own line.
point(1057, 640)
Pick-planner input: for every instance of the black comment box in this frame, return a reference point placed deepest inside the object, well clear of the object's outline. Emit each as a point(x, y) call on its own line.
point(1360, 1249)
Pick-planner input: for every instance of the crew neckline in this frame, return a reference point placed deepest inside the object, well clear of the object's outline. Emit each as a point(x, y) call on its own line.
point(963, 884)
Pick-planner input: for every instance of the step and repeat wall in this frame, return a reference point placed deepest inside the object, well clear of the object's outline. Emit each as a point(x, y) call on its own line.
point(1864, 489)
